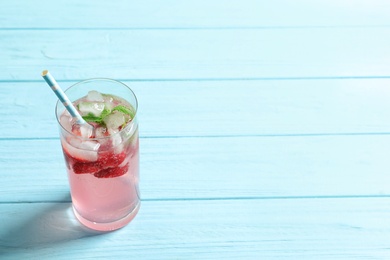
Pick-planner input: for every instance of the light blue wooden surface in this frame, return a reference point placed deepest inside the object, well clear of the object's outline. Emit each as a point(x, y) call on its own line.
point(265, 127)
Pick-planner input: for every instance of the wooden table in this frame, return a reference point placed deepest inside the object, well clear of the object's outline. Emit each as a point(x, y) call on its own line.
point(265, 127)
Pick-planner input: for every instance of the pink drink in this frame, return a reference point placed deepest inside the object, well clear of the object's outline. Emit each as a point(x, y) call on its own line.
point(102, 164)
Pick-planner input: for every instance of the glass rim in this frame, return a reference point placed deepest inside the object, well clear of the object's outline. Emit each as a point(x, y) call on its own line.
point(131, 123)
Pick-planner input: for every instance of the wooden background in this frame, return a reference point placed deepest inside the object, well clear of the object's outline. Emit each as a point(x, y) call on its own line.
point(264, 127)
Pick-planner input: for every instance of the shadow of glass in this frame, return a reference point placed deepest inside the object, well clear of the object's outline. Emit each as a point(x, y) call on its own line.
point(40, 224)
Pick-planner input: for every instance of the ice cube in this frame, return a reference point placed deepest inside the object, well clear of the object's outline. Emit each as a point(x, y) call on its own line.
point(94, 95)
point(116, 140)
point(86, 130)
point(81, 150)
point(83, 130)
point(100, 132)
point(108, 98)
point(66, 121)
point(89, 145)
point(108, 105)
point(114, 120)
point(94, 108)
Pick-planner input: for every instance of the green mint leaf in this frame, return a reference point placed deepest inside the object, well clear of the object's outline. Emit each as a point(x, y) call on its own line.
point(92, 118)
point(97, 119)
point(105, 113)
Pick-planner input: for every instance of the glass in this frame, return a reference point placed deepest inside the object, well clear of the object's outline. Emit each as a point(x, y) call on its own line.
point(103, 171)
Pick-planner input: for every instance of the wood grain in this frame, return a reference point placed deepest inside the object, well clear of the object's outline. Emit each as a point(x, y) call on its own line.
point(264, 127)
point(193, 14)
point(237, 229)
point(220, 108)
point(216, 168)
point(195, 54)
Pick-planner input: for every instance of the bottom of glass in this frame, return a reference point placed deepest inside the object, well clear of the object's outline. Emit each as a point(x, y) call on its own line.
point(107, 226)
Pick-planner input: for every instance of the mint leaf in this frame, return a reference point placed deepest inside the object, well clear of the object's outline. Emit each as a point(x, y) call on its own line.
point(92, 118)
point(124, 110)
point(105, 113)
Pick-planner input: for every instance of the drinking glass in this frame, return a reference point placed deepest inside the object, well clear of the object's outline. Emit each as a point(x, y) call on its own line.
point(103, 170)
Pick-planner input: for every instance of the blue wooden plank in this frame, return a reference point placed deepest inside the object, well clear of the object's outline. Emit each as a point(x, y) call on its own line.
point(236, 229)
point(236, 161)
point(196, 54)
point(193, 14)
point(219, 108)
point(216, 168)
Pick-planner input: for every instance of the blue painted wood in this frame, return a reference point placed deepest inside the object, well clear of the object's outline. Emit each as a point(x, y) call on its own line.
point(264, 127)
point(234, 229)
point(216, 168)
point(196, 54)
point(195, 14)
point(220, 108)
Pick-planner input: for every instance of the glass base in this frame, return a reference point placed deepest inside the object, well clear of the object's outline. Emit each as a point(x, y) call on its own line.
point(107, 226)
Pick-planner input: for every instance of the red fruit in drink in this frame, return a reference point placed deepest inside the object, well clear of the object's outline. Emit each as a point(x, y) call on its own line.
point(110, 159)
point(85, 167)
point(112, 172)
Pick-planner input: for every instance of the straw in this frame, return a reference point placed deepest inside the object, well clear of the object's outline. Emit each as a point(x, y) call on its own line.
point(62, 96)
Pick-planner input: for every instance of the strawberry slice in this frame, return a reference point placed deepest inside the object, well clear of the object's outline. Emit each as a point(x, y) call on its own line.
point(110, 159)
point(85, 167)
point(112, 172)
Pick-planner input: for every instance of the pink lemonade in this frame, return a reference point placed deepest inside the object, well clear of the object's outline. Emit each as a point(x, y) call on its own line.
point(103, 161)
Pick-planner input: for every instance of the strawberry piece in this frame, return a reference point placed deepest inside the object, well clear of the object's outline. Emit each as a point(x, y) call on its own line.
point(88, 167)
point(112, 172)
point(111, 160)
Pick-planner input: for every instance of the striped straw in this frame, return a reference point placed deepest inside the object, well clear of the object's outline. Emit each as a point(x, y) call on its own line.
point(62, 96)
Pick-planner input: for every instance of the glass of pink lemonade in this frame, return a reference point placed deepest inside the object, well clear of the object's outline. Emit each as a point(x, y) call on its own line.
point(102, 161)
